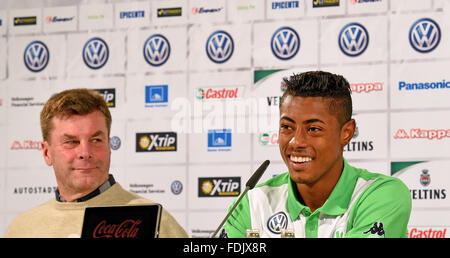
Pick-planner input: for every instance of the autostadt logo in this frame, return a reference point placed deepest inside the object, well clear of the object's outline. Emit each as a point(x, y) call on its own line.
point(156, 95)
point(424, 35)
point(277, 222)
point(36, 56)
point(95, 53)
point(285, 43)
point(353, 39)
point(219, 140)
point(219, 46)
point(156, 50)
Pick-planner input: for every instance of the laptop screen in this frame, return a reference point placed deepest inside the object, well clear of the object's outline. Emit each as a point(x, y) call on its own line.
point(121, 222)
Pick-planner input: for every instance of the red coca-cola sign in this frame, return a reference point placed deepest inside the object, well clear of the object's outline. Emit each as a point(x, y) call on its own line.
point(128, 228)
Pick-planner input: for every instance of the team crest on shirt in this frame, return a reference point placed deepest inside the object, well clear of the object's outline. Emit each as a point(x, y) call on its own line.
point(277, 222)
point(376, 230)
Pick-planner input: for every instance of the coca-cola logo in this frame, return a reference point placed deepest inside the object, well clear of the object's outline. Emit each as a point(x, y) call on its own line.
point(129, 228)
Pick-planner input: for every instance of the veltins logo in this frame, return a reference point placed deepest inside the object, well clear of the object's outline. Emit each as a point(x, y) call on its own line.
point(219, 140)
point(156, 50)
point(36, 56)
point(285, 43)
point(219, 186)
point(156, 142)
point(353, 39)
point(219, 46)
point(424, 35)
point(95, 53)
point(277, 222)
point(425, 178)
point(156, 95)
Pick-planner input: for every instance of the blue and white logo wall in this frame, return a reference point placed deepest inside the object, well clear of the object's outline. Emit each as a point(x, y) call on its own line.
point(285, 43)
point(424, 35)
point(353, 39)
point(219, 46)
point(156, 50)
point(95, 53)
point(36, 56)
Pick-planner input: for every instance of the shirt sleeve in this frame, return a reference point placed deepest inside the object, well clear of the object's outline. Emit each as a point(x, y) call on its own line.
point(383, 210)
point(239, 221)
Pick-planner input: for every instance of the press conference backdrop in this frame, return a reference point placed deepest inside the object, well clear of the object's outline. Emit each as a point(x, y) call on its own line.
point(194, 87)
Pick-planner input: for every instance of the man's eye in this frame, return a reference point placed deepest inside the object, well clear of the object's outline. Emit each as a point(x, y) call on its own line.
point(96, 140)
point(314, 129)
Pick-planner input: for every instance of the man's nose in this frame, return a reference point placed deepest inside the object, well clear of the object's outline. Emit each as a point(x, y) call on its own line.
point(299, 139)
point(85, 151)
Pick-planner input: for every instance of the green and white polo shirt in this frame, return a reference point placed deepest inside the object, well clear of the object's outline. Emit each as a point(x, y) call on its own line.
point(362, 204)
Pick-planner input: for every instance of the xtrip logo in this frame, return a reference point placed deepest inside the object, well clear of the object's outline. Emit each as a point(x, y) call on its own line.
point(417, 133)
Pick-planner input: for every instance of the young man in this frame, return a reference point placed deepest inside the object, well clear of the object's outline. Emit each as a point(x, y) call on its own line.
point(75, 127)
point(322, 195)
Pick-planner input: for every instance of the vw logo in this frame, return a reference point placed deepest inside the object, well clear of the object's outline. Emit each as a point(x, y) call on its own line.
point(176, 187)
point(156, 50)
point(219, 47)
point(353, 39)
point(36, 56)
point(277, 222)
point(285, 43)
point(424, 35)
point(115, 143)
point(95, 53)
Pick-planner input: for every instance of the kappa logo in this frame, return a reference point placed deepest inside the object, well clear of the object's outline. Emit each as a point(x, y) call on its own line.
point(277, 222)
point(95, 53)
point(353, 39)
point(376, 230)
point(36, 56)
point(219, 47)
point(156, 50)
point(424, 35)
point(285, 43)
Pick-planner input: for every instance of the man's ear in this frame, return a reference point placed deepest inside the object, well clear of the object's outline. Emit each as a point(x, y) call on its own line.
point(46, 153)
point(347, 132)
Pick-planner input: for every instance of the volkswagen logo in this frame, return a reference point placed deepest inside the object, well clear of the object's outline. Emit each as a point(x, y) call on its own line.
point(156, 50)
point(95, 53)
point(115, 143)
point(424, 35)
point(285, 43)
point(36, 56)
point(176, 187)
point(353, 39)
point(219, 47)
point(277, 222)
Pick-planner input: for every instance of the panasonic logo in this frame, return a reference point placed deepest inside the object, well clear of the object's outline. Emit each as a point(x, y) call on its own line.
point(424, 85)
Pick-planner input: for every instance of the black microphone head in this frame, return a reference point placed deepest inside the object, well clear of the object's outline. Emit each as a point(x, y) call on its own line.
point(257, 175)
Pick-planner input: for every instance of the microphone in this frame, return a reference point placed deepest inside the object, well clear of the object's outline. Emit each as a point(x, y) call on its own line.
point(251, 183)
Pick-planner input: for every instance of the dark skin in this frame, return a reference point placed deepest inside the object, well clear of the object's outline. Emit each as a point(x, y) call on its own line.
point(311, 139)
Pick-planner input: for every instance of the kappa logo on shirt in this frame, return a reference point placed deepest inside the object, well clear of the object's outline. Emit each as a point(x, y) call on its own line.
point(376, 230)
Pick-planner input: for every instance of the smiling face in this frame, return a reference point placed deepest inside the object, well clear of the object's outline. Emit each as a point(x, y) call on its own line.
point(311, 138)
point(78, 149)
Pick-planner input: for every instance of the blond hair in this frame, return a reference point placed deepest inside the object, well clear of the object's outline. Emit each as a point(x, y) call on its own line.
point(72, 102)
